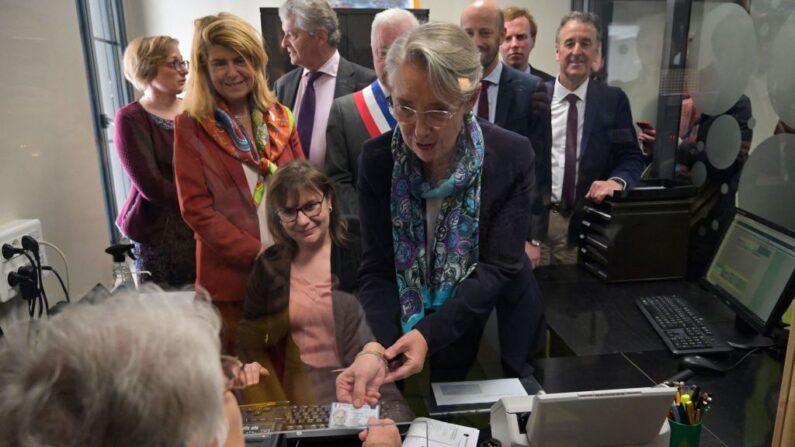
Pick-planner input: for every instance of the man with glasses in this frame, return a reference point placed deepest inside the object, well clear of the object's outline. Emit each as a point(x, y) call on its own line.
point(311, 35)
point(509, 98)
point(364, 114)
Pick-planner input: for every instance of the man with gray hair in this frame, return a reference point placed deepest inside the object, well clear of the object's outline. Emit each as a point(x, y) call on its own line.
point(311, 35)
point(595, 149)
point(129, 370)
point(364, 114)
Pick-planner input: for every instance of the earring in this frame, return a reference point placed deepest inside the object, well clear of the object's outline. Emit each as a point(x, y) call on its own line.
point(330, 208)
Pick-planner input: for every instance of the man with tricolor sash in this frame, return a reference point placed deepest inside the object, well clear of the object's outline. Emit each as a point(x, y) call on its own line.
point(364, 114)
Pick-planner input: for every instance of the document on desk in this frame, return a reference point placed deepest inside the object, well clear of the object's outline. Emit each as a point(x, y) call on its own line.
point(425, 432)
point(476, 391)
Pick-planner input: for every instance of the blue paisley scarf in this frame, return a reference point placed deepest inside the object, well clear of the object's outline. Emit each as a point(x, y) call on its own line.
point(455, 249)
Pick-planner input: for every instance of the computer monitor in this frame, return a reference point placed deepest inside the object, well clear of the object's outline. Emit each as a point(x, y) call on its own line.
point(753, 272)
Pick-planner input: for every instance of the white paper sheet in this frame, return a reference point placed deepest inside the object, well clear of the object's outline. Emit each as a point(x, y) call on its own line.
point(476, 392)
point(425, 432)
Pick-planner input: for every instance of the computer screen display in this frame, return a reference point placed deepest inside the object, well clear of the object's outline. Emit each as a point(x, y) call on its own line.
point(753, 271)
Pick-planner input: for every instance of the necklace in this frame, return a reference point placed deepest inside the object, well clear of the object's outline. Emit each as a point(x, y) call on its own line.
point(242, 116)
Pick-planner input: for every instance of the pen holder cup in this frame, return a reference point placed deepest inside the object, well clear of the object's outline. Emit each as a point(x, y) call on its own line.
point(684, 435)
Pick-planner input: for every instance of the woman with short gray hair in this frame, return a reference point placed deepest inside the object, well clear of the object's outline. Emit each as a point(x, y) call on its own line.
point(444, 205)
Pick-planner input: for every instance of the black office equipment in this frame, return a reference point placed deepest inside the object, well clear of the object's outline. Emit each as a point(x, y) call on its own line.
point(682, 329)
point(263, 420)
point(639, 234)
point(699, 364)
point(753, 271)
point(354, 24)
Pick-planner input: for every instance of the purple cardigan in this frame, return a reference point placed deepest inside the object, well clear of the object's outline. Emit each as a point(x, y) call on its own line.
point(146, 151)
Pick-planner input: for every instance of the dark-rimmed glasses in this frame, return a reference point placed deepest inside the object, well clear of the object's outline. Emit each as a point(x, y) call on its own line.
point(234, 376)
point(433, 118)
point(178, 65)
point(309, 209)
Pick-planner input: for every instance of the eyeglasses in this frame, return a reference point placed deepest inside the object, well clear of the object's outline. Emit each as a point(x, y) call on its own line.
point(234, 376)
point(178, 65)
point(310, 210)
point(432, 118)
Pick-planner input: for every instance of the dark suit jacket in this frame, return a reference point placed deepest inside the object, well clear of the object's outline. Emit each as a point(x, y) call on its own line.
point(350, 77)
point(507, 181)
point(609, 147)
point(523, 107)
point(546, 77)
point(345, 135)
point(217, 204)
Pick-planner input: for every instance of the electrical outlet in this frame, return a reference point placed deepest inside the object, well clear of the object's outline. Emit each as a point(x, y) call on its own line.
point(11, 233)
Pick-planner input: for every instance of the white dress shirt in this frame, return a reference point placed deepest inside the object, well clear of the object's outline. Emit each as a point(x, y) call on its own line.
point(492, 91)
point(560, 111)
point(324, 97)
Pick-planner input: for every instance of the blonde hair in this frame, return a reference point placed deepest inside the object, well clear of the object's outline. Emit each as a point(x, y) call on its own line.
point(515, 12)
point(238, 35)
point(143, 56)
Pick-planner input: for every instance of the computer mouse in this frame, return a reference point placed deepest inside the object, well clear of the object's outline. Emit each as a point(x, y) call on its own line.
point(699, 364)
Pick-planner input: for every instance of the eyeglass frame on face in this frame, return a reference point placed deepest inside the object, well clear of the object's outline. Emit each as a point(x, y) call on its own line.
point(234, 374)
point(306, 209)
point(178, 65)
point(442, 116)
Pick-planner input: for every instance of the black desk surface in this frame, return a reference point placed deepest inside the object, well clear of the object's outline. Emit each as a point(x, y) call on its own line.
point(613, 346)
point(616, 347)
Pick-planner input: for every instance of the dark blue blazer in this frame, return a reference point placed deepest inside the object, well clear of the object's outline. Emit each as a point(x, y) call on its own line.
point(350, 78)
point(502, 267)
point(523, 107)
point(609, 147)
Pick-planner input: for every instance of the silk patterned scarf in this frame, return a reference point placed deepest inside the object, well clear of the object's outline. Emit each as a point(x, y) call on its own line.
point(272, 131)
point(455, 247)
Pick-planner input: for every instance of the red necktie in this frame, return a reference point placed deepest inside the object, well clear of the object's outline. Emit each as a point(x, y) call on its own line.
point(483, 100)
point(570, 163)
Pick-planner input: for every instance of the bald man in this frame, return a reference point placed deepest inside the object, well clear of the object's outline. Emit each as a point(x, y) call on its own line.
point(364, 114)
point(511, 99)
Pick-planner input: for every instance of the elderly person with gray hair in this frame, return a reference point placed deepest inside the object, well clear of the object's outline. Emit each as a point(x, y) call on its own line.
point(311, 35)
point(364, 114)
point(443, 203)
point(131, 370)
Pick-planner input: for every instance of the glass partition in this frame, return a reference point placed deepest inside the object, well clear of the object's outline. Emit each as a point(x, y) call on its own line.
point(716, 85)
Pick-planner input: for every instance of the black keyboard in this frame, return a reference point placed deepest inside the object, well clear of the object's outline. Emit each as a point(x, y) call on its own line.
point(682, 329)
point(261, 420)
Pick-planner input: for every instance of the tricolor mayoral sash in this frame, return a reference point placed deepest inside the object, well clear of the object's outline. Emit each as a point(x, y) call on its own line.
point(374, 109)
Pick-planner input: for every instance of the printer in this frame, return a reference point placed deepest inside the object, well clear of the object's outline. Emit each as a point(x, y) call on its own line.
point(622, 417)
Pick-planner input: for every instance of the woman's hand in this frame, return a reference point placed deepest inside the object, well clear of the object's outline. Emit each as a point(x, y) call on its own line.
point(252, 373)
point(360, 382)
point(414, 349)
point(380, 433)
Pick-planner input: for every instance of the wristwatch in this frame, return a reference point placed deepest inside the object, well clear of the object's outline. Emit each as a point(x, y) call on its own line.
point(535, 242)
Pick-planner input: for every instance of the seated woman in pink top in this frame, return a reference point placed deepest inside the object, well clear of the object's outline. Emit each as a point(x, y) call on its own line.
point(299, 321)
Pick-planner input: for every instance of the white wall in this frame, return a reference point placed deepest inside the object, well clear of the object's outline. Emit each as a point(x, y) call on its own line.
point(48, 157)
point(175, 18)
